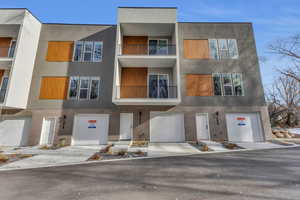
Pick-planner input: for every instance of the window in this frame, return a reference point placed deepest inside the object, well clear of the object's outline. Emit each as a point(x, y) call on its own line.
point(223, 49)
point(213, 46)
point(97, 52)
point(237, 84)
point(217, 84)
point(158, 47)
point(12, 48)
point(87, 51)
point(95, 83)
point(3, 89)
point(78, 51)
point(84, 88)
point(74, 85)
point(228, 84)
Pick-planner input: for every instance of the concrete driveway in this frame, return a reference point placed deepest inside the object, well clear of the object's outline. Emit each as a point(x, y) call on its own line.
point(255, 175)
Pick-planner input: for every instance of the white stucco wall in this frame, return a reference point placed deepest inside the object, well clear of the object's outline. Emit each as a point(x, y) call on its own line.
point(12, 16)
point(147, 15)
point(22, 68)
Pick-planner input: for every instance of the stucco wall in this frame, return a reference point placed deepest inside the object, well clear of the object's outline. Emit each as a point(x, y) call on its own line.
point(102, 69)
point(247, 64)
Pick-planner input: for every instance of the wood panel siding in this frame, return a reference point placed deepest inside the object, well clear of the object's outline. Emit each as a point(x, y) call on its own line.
point(1, 75)
point(199, 85)
point(54, 88)
point(135, 45)
point(134, 83)
point(4, 46)
point(196, 49)
point(60, 51)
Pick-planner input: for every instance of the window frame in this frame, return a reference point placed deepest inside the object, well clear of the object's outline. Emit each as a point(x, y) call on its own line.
point(83, 51)
point(74, 51)
point(242, 84)
point(101, 51)
point(94, 78)
point(81, 78)
point(228, 50)
point(70, 81)
point(10, 48)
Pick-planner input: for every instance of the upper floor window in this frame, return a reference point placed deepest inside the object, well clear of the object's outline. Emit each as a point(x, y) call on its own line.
point(223, 49)
point(84, 88)
point(228, 84)
point(210, 49)
point(87, 51)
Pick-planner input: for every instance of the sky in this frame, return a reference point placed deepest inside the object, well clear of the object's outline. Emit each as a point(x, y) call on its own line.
point(272, 19)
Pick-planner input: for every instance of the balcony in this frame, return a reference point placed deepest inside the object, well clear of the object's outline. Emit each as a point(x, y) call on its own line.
point(7, 52)
point(149, 50)
point(146, 95)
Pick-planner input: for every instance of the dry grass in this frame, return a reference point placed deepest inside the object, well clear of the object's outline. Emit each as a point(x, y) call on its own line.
point(96, 156)
point(3, 158)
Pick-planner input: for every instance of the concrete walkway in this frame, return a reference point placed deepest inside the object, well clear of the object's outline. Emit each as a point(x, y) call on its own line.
point(70, 154)
point(260, 145)
point(169, 149)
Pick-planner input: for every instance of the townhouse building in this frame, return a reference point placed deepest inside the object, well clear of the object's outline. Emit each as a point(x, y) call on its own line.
point(148, 77)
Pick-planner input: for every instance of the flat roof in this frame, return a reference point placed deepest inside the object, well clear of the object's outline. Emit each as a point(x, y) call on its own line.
point(78, 24)
point(150, 7)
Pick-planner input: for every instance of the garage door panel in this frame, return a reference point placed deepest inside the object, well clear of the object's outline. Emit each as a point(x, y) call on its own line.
point(166, 127)
point(244, 127)
point(90, 129)
point(14, 132)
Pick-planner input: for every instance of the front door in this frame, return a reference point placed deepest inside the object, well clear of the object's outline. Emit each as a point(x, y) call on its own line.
point(202, 127)
point(126, 126)
point(48, 129)
point(158, 86)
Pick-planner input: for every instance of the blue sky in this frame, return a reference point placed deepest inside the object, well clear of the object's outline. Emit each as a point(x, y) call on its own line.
point(272, 19)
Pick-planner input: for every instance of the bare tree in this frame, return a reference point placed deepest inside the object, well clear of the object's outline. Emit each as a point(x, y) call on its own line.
point(288, 48)
point(283, 98)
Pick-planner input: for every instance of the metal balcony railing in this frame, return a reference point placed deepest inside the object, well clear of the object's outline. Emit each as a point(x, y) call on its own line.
point(147, 92)
point(7, 51)
point(136, 49)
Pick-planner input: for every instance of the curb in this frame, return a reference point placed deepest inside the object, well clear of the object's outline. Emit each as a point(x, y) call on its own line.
point(140, 158)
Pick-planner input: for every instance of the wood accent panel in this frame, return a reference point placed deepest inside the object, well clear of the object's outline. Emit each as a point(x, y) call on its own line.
point(196, 49)
point(54, 87)
point(135, 45)
point(4, 46)
point(60, 51)
point(199, 85)
point(1, 75)
point(134, 82)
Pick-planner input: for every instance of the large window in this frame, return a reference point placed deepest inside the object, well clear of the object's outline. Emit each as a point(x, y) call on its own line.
point(87, 51)
point(228, 84)
point(84, 88)
point(223, 49)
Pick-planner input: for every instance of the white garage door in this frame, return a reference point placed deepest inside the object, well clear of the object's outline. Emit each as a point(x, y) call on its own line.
point(244, 127)
point(90, 129)
point(166, 127)
point(14, 132)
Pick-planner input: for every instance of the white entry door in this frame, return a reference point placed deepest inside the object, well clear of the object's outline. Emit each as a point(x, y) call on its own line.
point(48, 129)
point(126, 126)
point(202, 127)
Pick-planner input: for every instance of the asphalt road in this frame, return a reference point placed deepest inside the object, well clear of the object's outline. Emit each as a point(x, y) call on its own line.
point(268, 174)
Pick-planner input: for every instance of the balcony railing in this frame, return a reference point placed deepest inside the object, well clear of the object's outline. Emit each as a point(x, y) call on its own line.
point(136, 49)
point(7, 51)
point(146, 92)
